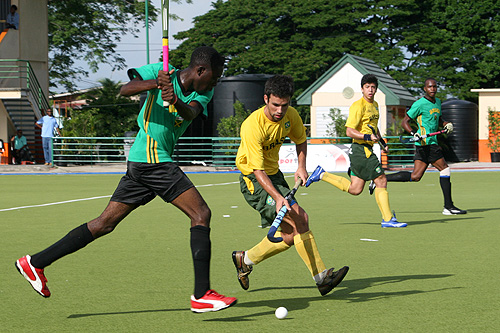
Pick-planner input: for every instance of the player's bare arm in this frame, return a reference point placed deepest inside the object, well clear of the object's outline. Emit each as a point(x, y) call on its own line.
point(355, 134)
point(137, 86)
point(188, 111)
point(268, 186)
point(406, 124)
point(301, 154)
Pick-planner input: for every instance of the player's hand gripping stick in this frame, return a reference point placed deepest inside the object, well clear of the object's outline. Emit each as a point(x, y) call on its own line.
point(414, 139)
point(380, 140)
point(279, 217)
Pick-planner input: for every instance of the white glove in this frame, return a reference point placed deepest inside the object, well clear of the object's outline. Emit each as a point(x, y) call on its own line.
point(417, 136)
point(448, 128)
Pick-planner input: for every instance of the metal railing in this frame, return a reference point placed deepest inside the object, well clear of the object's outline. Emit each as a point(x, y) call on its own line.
point(18, 74)
point(206, 151)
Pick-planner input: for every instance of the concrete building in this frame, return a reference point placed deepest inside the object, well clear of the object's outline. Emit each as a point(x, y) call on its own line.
point(489, 99)
point(24, 83)
point(340, 86)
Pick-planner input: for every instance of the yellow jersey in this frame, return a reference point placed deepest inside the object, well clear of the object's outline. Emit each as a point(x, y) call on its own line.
point(362, 114)
point(262, 138)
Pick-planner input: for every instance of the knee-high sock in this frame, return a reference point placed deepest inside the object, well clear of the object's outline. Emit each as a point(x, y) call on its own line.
point(337, 181)
point(73, 241)
point(308, 251)
point(445, 183)
point(266, 249)
point(382, 197)
point(401, 176)
point(201, 253)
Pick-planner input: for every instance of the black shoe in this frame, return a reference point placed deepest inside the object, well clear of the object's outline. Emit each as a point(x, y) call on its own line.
point(331, 280)
point(453, 211)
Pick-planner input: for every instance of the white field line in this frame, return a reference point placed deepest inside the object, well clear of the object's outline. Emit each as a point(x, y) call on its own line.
point(92, 198)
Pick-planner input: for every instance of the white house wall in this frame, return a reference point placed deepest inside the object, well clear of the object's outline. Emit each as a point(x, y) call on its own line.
point(341, 91)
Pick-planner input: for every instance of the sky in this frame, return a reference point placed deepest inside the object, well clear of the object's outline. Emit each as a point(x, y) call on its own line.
point(134, 49)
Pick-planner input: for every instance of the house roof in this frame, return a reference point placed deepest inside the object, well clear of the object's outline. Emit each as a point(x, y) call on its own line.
point(395, 93)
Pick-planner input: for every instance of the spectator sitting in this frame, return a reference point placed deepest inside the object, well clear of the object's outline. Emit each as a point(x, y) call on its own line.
point(13, 18)
point(20, 145)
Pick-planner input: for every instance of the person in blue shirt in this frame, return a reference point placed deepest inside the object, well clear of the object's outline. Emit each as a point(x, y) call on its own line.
point(48, 124)
point(13, 18)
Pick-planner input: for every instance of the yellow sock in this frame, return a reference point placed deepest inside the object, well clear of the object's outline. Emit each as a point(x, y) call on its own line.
point(337, 181)
point(266, 249)
point(308, 251)
point(382, 197)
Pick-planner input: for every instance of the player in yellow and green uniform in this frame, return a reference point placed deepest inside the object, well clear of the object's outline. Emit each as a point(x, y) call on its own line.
point(426, 112)
point(264, 186)
point(365, 165)
point(151, 173)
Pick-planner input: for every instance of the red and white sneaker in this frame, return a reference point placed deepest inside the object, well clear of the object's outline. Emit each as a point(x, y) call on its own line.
point(211, 301)
point(34, 275)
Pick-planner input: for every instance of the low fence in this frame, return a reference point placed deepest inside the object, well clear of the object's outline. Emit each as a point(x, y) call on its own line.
point(205, 151)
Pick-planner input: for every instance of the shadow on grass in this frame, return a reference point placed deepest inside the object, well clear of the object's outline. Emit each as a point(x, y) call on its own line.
point(82, 315)
point(454, 218)
point(349, 290)
point(444, 219)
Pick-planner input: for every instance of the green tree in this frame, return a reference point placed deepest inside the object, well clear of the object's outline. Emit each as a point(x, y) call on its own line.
point(81, 124)
point(336, 125)
point(89, 30)
point(230, 126)
point(457, 42)
point(115, 114)
point(295, 37)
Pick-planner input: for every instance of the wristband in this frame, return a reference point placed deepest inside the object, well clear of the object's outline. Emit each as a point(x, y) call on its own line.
point(382, 141)
point(367, 137)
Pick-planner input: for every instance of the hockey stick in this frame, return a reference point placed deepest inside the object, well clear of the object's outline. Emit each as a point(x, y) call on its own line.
point(164, 25)
point(380, 140)
point(282, 212)
point(414, 139)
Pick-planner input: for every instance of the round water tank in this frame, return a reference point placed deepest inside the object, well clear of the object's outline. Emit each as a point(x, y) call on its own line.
point(245, 88)
point(463, 141)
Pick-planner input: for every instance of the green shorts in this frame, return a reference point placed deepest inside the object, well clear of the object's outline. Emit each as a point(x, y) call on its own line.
point(364, 163)
point(259, 199)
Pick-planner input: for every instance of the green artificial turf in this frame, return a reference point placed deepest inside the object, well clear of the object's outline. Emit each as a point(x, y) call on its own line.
point(440, 274)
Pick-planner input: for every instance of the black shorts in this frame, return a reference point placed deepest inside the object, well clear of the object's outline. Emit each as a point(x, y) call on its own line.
point(428, 154)
point(144, 181)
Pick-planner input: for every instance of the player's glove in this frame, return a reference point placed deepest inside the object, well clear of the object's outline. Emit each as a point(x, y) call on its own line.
point(417, 136)
point(448, 128)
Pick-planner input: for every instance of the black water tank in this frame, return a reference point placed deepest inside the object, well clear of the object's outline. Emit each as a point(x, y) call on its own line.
point(246, 88)
point(463, 141)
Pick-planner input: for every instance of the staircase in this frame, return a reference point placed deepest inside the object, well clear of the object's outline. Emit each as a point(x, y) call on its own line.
point(22, 116)
point(24, 101)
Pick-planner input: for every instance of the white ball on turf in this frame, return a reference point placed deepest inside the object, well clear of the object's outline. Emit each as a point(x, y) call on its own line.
point(281, 312)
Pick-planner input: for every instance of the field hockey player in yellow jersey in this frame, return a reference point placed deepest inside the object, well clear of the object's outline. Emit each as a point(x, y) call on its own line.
point(264, 186)
point(365, 165)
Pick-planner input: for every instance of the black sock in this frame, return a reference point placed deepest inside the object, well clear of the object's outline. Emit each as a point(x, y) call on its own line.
point(201, 252)
point(401, 176)
point(73, 241)
point(446, 188)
